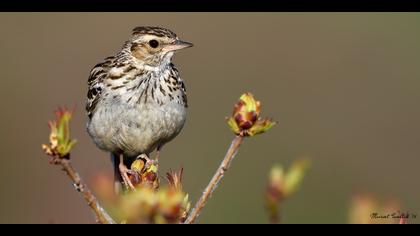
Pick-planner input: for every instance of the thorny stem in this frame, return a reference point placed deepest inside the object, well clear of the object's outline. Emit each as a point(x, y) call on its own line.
point(230, 154)
point(101, 215)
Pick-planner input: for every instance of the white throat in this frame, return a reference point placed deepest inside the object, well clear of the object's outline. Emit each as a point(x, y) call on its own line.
point(166, 61)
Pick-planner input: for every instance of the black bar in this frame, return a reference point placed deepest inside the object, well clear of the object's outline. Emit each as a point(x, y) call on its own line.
point(212, 5)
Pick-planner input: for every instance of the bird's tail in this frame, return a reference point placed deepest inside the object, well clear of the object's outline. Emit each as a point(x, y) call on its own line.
point(118, 181)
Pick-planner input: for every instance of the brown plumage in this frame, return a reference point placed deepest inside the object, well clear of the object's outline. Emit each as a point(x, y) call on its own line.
point(136, 100)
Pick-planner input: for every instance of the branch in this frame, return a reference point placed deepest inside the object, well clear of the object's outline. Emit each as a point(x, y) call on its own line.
point(59, 150)
point(230, 154)
point(101, 215)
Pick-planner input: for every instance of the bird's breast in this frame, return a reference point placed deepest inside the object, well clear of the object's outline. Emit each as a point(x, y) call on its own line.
point(136, 129)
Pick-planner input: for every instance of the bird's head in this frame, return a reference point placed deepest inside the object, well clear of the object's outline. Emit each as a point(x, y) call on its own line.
point(154, 46)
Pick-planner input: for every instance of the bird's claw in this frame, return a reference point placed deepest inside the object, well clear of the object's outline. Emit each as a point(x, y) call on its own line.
point(147, 160)
point(124, 174)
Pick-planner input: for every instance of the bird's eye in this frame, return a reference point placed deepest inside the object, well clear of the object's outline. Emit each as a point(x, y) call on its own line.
point(153, 43)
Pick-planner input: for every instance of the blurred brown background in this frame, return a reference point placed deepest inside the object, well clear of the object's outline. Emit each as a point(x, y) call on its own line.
point(343, 87)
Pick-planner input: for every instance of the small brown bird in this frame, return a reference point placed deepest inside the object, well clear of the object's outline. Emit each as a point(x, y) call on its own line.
point(136, 100)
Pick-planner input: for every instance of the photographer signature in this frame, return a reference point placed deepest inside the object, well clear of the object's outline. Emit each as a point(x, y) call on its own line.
point(395, 215)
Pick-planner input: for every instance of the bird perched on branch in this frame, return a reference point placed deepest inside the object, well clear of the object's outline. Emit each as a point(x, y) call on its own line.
point(136, 100)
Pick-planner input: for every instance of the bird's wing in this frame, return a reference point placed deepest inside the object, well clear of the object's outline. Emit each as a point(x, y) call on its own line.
point(96, 80)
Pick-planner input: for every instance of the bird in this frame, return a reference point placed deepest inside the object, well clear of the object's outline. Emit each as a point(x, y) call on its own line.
point(136, 99)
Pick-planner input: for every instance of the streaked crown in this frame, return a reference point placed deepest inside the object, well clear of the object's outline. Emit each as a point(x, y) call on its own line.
point(153, 30)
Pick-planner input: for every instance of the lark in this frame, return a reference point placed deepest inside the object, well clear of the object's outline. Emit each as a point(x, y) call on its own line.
point(136, 100)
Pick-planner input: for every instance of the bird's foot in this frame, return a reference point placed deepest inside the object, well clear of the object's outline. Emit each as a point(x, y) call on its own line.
point(157, 157)
point(146, 171)
point(124, 174)
point(148, 162)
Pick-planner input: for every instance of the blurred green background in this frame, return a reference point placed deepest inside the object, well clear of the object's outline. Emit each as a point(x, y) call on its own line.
point(344, 88)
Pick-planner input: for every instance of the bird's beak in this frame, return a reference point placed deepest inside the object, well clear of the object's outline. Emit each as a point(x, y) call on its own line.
point(177, 46)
